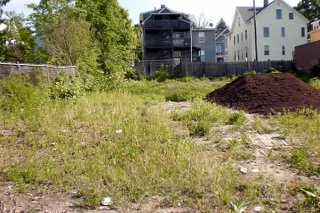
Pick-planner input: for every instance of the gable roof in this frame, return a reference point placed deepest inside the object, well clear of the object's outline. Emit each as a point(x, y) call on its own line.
point(164, 10)
point(247, 13)
point(224, 32)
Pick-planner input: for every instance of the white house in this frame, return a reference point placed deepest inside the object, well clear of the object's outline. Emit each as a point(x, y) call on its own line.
point(279, 29)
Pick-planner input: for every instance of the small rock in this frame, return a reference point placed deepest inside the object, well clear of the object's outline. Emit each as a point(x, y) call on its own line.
point(104, 208)
point(257, 209)
point(106, 201)
point(119, 131)
point(243, 170)
point(255, 170)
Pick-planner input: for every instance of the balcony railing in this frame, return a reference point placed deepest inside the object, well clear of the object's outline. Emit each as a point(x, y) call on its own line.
point(166, 24)
point(181, 42)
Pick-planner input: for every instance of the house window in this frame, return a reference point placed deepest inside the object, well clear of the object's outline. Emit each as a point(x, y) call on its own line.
point(246, 53)
point(283, 32)
point(177, 54)
point(279, 13)
point(235, 57)
point(266, 50)
point(241, 36)
point(238, 55)
point(246, 35)
point(202, 55)
point(238, 39)
point(303, 32)
point(201, 37)
point(290, 16)
point(283, 50)
point(218, 49)
point(239, 20)
point(266, 32)
point(242, 54)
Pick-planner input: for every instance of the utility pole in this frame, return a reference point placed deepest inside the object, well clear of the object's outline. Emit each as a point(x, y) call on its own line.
point(255, 29)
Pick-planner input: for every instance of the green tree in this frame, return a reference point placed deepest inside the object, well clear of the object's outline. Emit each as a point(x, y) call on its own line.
point(114, 32)
point(67, 37)
point(220, 26)
point(2, 3)
point(309, 8)
point(109, 22)
point(71, 43)
point(18, 41)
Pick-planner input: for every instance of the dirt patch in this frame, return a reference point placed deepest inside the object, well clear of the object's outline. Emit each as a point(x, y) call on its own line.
point(266, 93)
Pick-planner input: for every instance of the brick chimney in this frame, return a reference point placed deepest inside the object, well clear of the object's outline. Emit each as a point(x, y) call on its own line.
point(266, 3)
point(163, 6)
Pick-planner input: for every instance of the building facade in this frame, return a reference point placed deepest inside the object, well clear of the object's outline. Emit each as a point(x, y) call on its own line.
point(222, 46)
point(315, 32)
point(168, 35)
point(204, 41)
point(279, 29)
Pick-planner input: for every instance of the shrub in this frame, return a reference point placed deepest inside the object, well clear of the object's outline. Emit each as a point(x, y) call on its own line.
point(312, 200)
point(161, 76)
point(237, 118)
point(252, 72)
point(201, 117)
point(200, 128)
point(19, 93)
point(67, 86)
point(300, 160)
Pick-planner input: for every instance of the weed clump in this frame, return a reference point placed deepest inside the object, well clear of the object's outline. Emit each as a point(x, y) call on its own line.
point(18, 94)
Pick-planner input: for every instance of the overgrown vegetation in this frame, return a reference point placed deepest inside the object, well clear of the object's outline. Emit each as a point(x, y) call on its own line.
point(121, 144)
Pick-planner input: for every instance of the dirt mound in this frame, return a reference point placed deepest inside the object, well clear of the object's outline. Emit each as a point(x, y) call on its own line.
point(266, 93)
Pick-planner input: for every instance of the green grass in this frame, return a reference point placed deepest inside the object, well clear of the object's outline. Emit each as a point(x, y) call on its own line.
point(303, 128)
point(119, 144)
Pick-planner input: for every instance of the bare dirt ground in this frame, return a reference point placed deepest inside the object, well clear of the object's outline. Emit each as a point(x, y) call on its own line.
point(261, 145)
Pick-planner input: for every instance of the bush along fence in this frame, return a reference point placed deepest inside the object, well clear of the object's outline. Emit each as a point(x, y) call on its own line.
point(210, 69)
point(7, 69)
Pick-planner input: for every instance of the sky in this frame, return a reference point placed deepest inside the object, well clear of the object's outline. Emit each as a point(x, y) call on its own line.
point(213, 10)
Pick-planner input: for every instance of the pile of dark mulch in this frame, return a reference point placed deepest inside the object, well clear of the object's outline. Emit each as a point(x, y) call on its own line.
point(266, 93)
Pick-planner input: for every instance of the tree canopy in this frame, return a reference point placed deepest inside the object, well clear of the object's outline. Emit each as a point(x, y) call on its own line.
point(3, 3)
point(220, 26)
point(105, 21)
point(309, 8)
point(202, 21)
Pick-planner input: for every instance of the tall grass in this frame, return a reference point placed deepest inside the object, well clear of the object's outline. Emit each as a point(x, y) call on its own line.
point(103, 144)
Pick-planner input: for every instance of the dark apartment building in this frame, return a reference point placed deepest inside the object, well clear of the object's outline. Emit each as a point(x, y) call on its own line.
point(168, 35)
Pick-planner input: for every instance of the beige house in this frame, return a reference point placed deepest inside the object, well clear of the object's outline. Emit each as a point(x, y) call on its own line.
point(279, 29)
point(315, 32)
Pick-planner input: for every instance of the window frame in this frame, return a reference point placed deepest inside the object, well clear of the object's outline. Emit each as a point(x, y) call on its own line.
point(218, 49)
point(291, 16)
point(266, 32)
point(202, 55)
point(201, 39)
point(283, 32)
point(278, 14)
point(266, 50)
point(303, 32)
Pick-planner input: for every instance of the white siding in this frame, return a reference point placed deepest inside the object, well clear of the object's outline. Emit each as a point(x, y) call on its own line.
point(243, 43)
point(267, 18)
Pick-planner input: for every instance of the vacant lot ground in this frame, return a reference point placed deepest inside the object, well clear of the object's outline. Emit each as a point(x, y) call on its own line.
point(154, 147)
